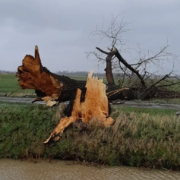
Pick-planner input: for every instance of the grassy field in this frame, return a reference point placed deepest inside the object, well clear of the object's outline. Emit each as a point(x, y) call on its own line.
point(9, 86)
point(139, 137)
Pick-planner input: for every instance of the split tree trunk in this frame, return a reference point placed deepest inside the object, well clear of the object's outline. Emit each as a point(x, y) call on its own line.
point(51, 87)
point(47, 85)
point(108, 69)
point(93, 105)
point(90, 100)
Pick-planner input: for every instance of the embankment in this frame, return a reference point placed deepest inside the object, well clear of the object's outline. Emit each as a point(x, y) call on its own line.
point(149, 138)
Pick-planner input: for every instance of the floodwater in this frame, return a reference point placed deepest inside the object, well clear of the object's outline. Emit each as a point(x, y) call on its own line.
point(140, 104)
point(68, 170)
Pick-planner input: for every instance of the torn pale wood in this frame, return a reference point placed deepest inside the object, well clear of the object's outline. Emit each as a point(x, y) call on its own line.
point(47, 85)
point(51, 87)
point(95, 105)
point(32, 75)
point(116, 91)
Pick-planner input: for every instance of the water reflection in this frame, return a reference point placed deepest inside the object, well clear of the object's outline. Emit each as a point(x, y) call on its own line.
point(25, 170)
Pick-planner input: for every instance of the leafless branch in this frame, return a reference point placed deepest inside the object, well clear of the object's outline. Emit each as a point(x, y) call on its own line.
point(133, 74)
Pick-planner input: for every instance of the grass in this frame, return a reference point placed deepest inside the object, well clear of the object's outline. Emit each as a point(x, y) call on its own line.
point(150, 111)
point(139, 137)
point(167, 101)
point(9, 86)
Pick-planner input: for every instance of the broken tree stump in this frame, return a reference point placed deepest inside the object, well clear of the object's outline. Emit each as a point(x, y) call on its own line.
point(51, 87)
point(48, 86)
point(90, 100)
point(94, 105)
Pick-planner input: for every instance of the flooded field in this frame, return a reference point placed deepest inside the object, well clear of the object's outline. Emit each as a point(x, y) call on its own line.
point(139, 104)
point(26, 170)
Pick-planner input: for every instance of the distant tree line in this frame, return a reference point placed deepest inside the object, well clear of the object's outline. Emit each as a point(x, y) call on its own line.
point(84, 74)
point(79, 73)
point(7, 72)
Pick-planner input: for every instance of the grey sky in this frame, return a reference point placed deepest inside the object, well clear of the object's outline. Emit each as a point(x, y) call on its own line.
point(61, 29)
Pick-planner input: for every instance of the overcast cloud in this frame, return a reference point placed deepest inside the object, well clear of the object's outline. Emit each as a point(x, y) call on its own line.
point(62, 29)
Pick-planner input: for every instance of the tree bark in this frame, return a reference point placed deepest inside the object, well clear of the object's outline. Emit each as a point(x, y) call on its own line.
point(47, 85)
point(123, 61)
point(108, 69)
point(51, 87)
point(94, 105)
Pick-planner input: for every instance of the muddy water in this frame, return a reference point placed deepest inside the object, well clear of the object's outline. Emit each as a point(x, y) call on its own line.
point(26, 170)
point(140, 104)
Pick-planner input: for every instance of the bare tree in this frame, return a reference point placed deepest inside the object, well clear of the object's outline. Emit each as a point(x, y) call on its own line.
point(135, 75)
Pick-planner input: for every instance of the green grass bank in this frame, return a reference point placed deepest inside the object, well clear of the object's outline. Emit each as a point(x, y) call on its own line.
point(139, 137)
point(9, 85)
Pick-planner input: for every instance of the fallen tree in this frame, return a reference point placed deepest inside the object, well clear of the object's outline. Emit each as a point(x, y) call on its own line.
point(141, 85)
point(143, 81)
point(48, 86)
point(88, 100)
point(92, 104)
